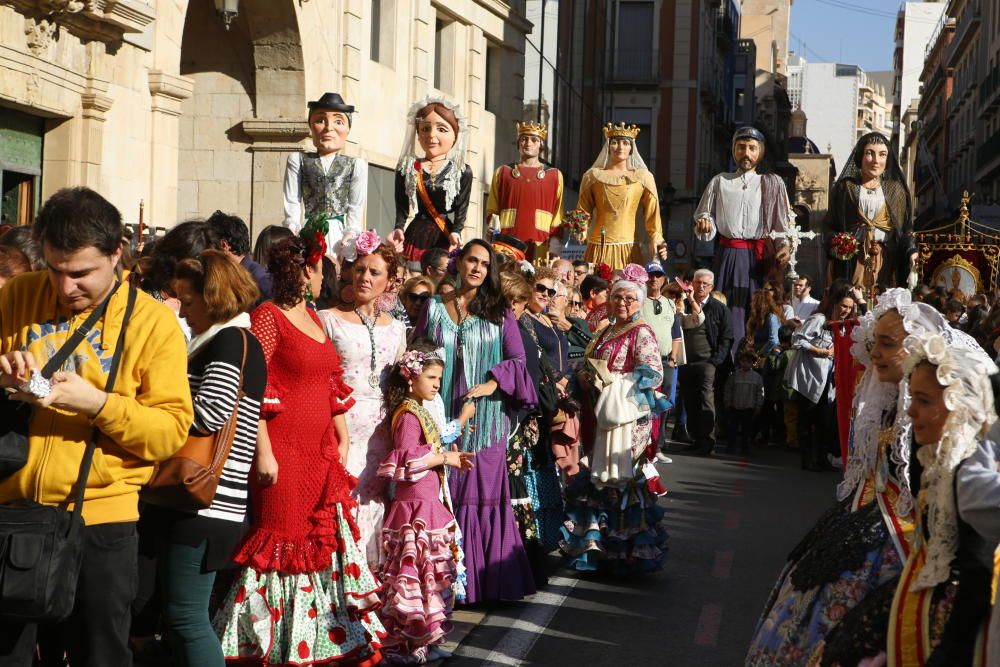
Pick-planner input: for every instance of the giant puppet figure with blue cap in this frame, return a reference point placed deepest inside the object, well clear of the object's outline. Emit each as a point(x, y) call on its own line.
point(326, 180)
point(742, 208)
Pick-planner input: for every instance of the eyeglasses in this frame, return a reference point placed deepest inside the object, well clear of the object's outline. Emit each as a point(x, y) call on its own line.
point(627, 300)
point(576, 304)
point(580, 272)
point(438, 269)
point(418, 297)
point(542, 289)
point(657, 307)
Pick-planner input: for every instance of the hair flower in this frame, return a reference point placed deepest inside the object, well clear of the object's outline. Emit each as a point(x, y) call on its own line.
point(635, 273)
point(367, 242)
point(604, 271)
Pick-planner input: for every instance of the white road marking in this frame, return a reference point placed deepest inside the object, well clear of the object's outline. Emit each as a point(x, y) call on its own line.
point(526, 630)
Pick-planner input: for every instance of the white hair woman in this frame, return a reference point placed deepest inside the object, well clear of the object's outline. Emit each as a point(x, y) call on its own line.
point(623, 370)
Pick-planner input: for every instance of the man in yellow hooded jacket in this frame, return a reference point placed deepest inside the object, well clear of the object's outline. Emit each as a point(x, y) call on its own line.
point(145, 419)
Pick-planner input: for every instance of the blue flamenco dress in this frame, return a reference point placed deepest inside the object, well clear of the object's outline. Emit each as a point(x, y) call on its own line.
point(612, 516)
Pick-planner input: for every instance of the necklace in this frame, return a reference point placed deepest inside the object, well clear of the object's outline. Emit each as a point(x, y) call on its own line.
point(369, 322)
point(516, 172)
point(621, 202)
point(460, 341)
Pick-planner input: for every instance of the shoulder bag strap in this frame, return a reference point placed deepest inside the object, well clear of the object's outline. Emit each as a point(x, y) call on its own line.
point(88, 455)
point(228, 430)
point(59, 358)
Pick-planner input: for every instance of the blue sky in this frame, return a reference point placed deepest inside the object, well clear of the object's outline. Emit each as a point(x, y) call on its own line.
point(854, 32)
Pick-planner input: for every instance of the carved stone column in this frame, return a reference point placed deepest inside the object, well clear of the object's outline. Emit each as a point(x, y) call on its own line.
point(273, 140)
point(167, 92)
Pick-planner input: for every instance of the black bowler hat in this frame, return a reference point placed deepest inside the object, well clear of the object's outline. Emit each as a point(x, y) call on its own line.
point(509, 245)
point(331, 101)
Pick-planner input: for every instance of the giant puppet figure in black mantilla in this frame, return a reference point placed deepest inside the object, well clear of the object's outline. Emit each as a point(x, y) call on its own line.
point(743, 207)
point(871, 202)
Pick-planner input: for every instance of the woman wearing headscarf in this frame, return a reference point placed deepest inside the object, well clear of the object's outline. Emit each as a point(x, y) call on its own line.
point(611, 511)
point(871, 202)
point(612, 191)
point(861, 542)
point(934, 612)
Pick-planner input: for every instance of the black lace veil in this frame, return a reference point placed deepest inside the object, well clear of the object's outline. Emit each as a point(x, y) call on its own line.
point(897, 195)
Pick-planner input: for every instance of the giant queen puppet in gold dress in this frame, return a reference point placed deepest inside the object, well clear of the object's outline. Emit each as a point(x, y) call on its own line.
point(612, 192)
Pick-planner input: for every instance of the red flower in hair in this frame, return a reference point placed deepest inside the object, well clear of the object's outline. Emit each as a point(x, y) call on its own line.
point(317, 254)
point(604, 271)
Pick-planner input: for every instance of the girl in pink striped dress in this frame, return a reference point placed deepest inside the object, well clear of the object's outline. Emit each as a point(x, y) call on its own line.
point(419, 549)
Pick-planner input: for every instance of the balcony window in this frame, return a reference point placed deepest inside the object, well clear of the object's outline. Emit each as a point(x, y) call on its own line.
point(634, 57)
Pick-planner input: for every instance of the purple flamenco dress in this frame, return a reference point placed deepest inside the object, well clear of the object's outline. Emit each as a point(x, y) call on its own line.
point(477, 351)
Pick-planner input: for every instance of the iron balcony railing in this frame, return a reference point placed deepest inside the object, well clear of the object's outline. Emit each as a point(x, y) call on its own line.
point(635, 66)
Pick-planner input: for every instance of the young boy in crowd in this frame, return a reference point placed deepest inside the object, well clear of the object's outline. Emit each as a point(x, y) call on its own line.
point(743, 399)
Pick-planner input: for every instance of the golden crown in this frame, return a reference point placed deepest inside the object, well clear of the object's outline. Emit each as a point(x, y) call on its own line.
point(532, 128)
point(621, 130)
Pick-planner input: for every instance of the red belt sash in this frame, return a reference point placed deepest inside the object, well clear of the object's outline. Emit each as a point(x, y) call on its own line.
point(757, 245)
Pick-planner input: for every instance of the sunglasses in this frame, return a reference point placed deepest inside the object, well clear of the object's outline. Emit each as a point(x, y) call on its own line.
point(418, 298)
point(657, 307)
point(542, 289)
point(580, 272)
point(576, 304)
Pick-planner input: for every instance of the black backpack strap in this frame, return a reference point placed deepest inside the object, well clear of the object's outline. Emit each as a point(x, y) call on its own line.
point(59, 358)
point(88, 455)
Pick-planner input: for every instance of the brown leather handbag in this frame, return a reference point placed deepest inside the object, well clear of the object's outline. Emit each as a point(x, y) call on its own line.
point(189, 479)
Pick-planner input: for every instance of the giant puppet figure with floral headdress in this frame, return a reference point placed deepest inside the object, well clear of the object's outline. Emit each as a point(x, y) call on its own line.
point(612, 192)
point(527, 196)
point(870, 201)
point(433, 184)
point(326, 180)
point(743, 207)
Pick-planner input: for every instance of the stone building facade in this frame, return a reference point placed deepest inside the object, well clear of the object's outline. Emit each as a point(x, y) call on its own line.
point(162, 103)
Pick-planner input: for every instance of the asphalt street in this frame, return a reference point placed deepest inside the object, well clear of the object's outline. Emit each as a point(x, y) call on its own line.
point(732, 521)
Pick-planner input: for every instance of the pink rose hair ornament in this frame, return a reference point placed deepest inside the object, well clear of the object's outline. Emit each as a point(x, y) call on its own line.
point(353, 245)
point(412, 363)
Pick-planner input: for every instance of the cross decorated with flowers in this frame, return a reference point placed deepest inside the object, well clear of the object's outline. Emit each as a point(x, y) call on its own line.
point(793, 236)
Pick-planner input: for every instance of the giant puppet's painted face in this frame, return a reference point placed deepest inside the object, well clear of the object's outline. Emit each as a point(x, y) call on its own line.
point(747, 153)
point(437, 130)
point(529, 146)
point(874, 157)
point(329, 130)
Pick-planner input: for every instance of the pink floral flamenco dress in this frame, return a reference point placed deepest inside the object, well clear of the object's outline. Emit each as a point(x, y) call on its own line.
point(418, 541)
point(305, 594)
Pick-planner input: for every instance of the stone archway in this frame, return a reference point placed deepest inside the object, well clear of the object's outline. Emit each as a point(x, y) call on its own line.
point(226, 106)
point(244, 113)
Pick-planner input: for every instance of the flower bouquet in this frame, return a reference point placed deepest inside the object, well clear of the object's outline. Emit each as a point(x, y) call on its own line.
point(575, 225)
point(844, 246)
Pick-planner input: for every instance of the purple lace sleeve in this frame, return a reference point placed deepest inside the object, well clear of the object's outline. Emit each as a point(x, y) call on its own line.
point(512, 374)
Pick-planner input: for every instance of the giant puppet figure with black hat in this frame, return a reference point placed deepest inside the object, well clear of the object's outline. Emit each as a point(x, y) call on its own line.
point(326, 180)
point(527, 195)
point(743, 207)
point(613, 191)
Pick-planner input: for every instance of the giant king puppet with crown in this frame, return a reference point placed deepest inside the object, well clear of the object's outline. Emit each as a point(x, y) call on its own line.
point(526, 196)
